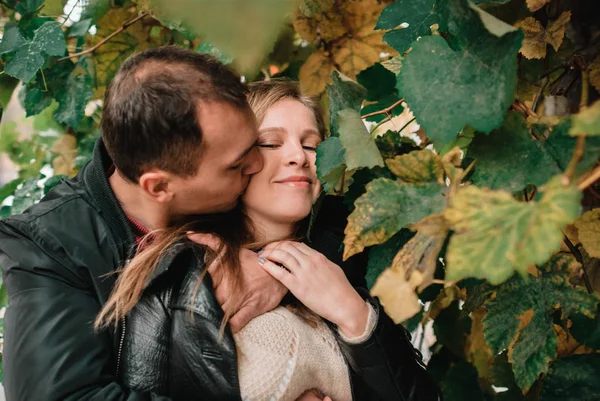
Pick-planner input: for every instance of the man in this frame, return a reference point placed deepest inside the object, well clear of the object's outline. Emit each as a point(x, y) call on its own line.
point(177, 139)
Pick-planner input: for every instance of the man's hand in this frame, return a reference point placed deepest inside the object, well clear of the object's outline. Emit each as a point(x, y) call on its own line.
point(261, 292)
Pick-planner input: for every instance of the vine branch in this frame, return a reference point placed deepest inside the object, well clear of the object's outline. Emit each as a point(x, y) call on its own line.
point(384, 111)
point(125, 25)
point(590, 179)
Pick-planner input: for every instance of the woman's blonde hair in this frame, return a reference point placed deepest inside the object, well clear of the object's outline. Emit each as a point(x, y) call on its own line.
point(232, 228)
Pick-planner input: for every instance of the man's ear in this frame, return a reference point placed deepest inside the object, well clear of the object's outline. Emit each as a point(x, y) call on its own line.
point(155, 184)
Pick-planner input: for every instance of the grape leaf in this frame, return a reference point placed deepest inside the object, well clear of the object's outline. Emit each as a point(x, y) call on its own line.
point(330, 162)
point(344, 35)
point(382, 255)
point(417, 167)
point(588, 227)
point(519, 317)
point(535, 5)
point(536, 37)
point(495, 235)
point(249, 38)
point(560, 145)
point(508, 158)
point(587, 121)
point(482, 62)
point(574, 378)
point(48, 39)
point(387, 207)
point(12, 38)
point(80, 28)
point(343, 93)
point(73, 96)
point(360, 147)
point(419, 15)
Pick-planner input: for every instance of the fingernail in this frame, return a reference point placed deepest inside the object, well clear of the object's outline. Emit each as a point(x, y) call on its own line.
point(261, 260)
point(260, 252)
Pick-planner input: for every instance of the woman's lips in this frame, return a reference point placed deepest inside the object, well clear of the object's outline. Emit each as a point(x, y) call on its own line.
point(296, 181)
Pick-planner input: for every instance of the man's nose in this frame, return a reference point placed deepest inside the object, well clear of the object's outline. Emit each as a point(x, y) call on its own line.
point(255, 162)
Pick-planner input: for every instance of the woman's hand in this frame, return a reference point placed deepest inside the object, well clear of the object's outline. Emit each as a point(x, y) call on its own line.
point(318, 283)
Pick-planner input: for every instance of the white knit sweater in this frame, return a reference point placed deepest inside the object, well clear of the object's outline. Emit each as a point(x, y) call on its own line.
point(280, 356)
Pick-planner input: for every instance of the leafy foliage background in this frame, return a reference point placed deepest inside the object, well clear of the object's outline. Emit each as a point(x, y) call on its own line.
point(464, 140)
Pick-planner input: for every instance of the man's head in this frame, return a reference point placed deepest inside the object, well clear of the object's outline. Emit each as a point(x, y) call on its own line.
point(177, 123)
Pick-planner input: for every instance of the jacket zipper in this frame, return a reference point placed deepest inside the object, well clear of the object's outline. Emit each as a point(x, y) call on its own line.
point(121, 346)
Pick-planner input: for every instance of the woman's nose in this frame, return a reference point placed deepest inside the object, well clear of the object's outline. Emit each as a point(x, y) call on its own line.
point(296, 155)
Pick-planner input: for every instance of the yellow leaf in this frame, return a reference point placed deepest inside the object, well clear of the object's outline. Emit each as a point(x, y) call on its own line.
point(567, 344)
point(588, 227)
point(534, 44)
point(397, 294)
point(344, 33)
point(594, 76)
point(315, 73)
point(555, 31)
point(477, 350)
point(394, 64)
point(65, 149)
point(417, 167)
point(535, 5)
point(537, 37)
point(451, 162)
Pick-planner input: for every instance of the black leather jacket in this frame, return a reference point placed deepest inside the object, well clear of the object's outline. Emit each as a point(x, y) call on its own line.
point(171, 344)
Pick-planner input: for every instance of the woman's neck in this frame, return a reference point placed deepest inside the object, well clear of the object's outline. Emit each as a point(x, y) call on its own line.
point(265, 230)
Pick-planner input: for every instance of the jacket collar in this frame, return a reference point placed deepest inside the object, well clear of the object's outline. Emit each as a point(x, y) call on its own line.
point(96, 183)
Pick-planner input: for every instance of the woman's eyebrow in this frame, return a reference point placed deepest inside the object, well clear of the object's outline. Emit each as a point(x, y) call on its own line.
point(271, 129)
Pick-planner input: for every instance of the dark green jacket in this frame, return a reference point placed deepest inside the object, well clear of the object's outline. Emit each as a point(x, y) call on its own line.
point(57, 259)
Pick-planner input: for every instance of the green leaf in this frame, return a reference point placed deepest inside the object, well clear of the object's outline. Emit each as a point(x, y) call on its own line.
point(509, 159)
point(382, 255)
point(574, 378)
point(7, 189)
point(206, 47)
point(461, 383)
point(49, 40)
point(386, 208)
point(12, 38)
point(519, 317)
point(29, 6)
point(561, 146)
point(26, 63)
point(586, 330)
point(249, 38)
point(495, 235)
point(478, 80)
point(587, 122)
point(330, 162)
point(52, 182)
point(360, 147)
point(343, 93)
point(96, 10)
point(451, 328)
point(34, 100)
point(419, 15)
point(417, 167)
point(80, 28)
point(73, 96)
point(379, 82)
point(54, 7)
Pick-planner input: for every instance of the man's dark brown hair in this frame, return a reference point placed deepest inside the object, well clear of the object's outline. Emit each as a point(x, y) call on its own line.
point(150, 117)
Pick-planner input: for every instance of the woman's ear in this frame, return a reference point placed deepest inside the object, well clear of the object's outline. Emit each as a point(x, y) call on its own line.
point(156, 184)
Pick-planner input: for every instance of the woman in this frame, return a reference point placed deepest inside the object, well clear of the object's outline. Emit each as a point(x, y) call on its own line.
point(325, 339)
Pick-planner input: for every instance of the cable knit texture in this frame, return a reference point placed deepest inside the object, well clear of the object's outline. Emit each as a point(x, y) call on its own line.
point(280, 356)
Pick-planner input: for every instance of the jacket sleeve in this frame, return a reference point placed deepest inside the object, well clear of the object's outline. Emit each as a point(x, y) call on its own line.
point(51, 351)
point(388, 363)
